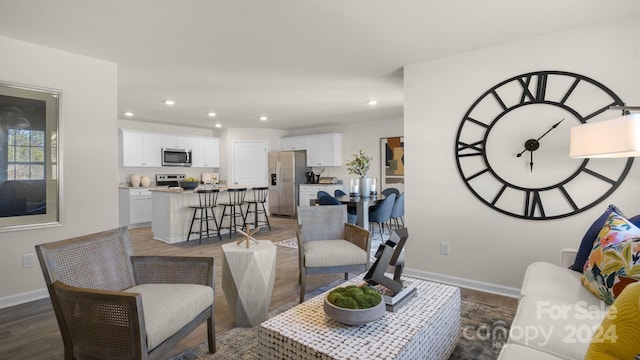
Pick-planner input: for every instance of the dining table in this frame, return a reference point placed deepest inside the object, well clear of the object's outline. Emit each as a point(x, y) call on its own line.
point(362, 205)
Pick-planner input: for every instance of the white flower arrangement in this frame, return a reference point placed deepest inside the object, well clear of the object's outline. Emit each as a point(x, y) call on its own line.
point(360, 164)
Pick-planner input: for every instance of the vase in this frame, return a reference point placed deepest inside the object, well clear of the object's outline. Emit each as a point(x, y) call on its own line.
point(145, 181)
point(135, 180)
point(365, 187)
point(354, 188)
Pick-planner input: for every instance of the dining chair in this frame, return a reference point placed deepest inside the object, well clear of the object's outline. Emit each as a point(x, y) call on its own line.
point(110, 304)
point(327, 244)
point(352, 218)
point(339, 192)
point(389, 191)
point(322, 193)
point(397, 212)
point(381, 213)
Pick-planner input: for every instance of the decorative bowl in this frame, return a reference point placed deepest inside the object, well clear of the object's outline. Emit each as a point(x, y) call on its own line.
point(189, 185)
point(354, 316)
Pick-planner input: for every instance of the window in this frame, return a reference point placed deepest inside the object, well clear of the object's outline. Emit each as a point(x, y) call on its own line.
point(29, 179)
point(25, 150)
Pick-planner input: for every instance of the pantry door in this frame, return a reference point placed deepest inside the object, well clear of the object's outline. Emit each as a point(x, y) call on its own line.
point(249, 163)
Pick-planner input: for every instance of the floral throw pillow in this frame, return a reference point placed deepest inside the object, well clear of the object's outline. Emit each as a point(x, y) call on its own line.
point(614, 261)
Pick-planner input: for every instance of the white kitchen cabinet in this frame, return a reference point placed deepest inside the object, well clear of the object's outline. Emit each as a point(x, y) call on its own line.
point(135, 207)
point(176, 142)
point(324, 150)
point(140, 149)
point(294, 143)
point(308, 192)
point(205, 152)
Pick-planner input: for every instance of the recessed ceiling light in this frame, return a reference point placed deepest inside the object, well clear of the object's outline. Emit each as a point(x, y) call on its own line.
point(218, 125)
point(128, 114)
point(263, 118)
point(169, 102)
point(211, 114)
point(372, 102)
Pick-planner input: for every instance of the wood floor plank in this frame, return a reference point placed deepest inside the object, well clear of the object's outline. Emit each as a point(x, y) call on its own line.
point(30, 331)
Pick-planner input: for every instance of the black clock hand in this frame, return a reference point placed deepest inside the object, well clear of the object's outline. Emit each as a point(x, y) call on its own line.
point(548, 131)
point(532, 144)
point(531, 160)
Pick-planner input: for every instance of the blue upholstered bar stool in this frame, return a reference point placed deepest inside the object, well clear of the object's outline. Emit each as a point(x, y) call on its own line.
point(204, 213)
point(256, 207)
point(234, 207)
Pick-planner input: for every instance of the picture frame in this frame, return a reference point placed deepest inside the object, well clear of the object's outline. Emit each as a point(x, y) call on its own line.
point(391, 162)
point(29, 156)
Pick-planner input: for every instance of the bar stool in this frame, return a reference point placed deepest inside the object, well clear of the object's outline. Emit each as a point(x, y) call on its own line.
point(259, 197)
point(204, 212)
point(236, 199)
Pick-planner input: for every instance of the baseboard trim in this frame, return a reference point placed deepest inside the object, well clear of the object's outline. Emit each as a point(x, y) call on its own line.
point(465, 283)
point(25, 297)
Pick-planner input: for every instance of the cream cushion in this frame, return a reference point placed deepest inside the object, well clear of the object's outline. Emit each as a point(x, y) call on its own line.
point(167, 309)
point(547, 280)
point(515, 351)
point(332, 253)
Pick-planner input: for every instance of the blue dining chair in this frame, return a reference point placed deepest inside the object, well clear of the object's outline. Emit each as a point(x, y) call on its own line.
point(339, 192)
point(322, 193)
point(397, 212)
point(330, 200)
point(389, 191)
point(381, 213)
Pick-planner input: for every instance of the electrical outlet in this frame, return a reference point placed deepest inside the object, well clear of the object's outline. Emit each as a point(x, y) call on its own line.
point(28, 260)
point(444, 248)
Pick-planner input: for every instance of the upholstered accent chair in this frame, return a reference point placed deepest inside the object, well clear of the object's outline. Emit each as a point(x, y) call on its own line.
point(352, 218)
point(110, 304)
point(328, 244)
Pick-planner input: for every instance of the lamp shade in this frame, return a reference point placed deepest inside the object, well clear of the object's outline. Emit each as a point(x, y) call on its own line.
point(619, 137)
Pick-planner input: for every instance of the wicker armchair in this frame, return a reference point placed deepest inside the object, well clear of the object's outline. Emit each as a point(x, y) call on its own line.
point(112, 305)
point(328, 244)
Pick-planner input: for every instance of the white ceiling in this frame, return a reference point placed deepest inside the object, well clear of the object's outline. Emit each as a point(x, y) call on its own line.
point(302, 63)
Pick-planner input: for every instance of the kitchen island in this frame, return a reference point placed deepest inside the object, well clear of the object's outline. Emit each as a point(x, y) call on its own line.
point(171, 215)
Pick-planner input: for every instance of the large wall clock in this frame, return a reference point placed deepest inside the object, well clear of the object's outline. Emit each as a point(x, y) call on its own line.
point(512, 146)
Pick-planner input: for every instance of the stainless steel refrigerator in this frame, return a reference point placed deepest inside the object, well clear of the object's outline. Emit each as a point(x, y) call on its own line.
point(286, 171)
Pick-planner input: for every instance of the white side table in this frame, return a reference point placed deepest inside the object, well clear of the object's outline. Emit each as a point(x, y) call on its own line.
point(247, 280)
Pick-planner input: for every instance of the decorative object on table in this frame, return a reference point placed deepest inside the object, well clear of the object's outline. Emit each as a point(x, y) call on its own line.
point(394, 292)
point(354, 187)
point(135, 180)
point(145, 181)
point(511, 146)
point(354, 305)
point(189, 183)
point(360, 166)
point(374, 186)
point(391, 161)
point(248, 236)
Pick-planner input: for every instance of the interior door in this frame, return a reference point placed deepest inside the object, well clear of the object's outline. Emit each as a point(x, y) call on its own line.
point(249, 163)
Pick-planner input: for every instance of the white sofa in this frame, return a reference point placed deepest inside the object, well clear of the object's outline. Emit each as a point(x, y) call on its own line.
point(556, 315)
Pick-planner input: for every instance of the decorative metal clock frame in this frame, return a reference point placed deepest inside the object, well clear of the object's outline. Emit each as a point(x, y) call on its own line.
point(533, 87)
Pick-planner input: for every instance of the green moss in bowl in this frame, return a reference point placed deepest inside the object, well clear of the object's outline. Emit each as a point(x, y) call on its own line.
point(354, 297)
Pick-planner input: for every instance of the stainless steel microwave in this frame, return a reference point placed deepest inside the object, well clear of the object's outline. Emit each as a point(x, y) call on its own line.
point(176, 157)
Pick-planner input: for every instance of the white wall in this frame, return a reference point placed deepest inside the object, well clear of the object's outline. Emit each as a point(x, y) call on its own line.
point(88, 140)
point(487, 249)
point(356, 136)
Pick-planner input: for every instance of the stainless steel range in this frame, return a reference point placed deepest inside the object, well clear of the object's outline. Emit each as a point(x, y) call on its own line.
point(170, 180)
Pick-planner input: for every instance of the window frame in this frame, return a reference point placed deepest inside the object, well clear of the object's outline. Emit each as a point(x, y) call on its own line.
point(19, 97)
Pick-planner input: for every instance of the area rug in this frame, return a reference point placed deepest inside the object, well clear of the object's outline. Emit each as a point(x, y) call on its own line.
point(483, 332)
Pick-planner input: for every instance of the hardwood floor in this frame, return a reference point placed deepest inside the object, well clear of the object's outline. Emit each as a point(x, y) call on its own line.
point(30, 331)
